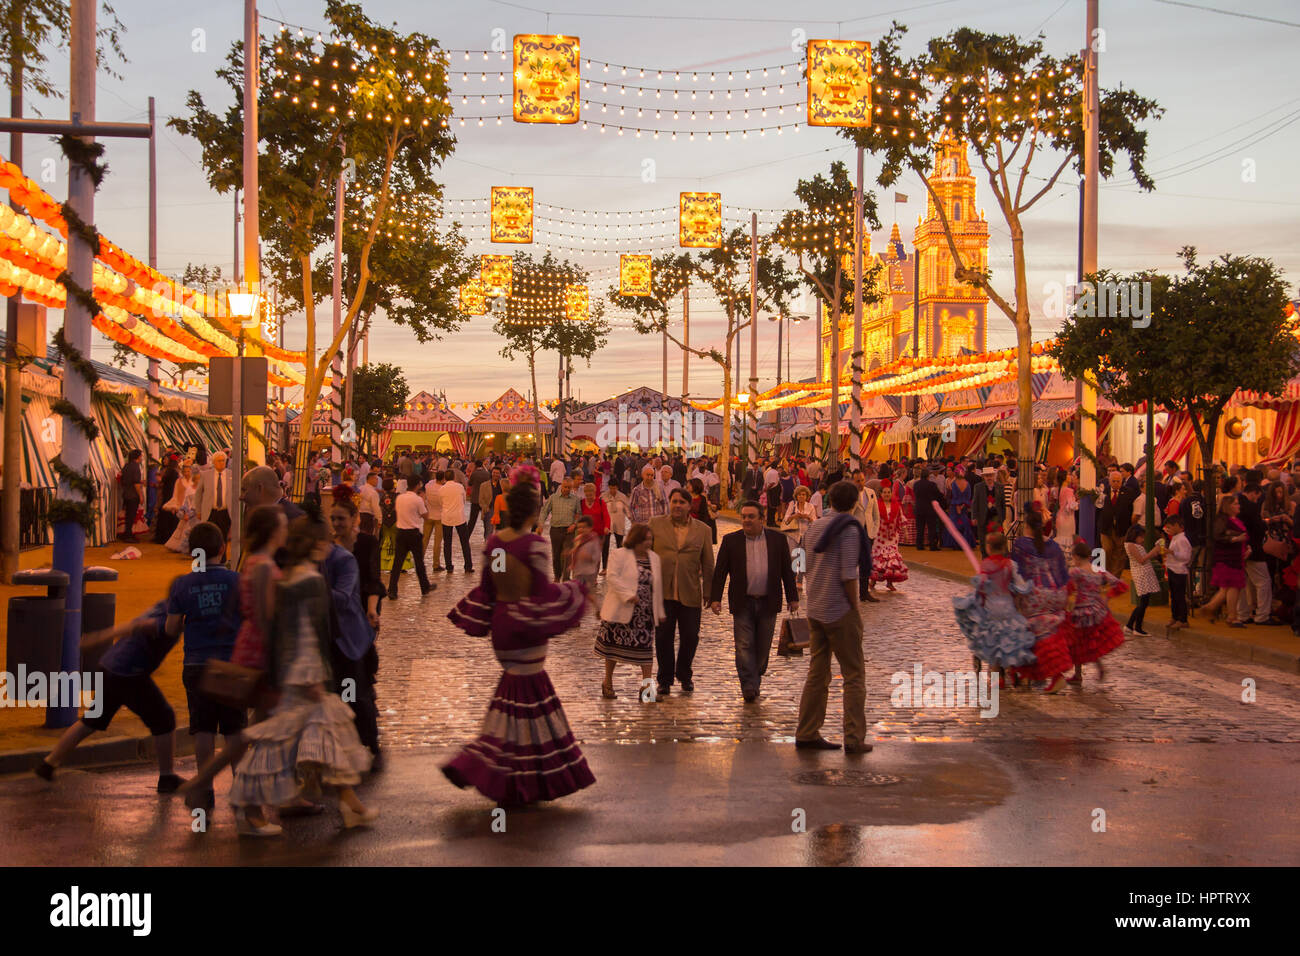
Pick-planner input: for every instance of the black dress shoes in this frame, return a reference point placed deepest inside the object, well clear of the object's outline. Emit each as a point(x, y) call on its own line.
point(818, 743)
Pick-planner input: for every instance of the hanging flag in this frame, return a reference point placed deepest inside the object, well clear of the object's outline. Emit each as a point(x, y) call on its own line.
point(634, 275)
point(900, 197)
point(472, 299)
point(701, 220)
point(546, 79)
point(496, 273)
point(512, 214)
point(575, 303)
point(839, 83)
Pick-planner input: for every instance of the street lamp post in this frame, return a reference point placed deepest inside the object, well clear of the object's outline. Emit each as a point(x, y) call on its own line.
point(243, 306)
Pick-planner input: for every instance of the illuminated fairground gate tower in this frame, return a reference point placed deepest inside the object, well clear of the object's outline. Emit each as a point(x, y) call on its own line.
point(952, 314)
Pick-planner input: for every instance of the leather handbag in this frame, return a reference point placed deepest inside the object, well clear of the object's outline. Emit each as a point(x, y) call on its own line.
point(1277, 547)
point(230, 684)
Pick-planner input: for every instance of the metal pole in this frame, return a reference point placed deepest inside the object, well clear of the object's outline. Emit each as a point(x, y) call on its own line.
point(252, 265)
point(1088, 408)
point(821, 369)
point(154, 404)
point(751, 420)
point(686, 357)
point(914, 403)
point(69, 536)
point(663, 396)
point(10, 498)
point(855, 406)
point(252, 229)
point(833, 435)
point(336, 371)
point(234, 273)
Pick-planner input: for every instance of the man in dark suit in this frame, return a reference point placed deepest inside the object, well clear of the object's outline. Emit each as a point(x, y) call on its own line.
point(1115, 513)
point(925, 491)
point(986, 506)
point(1130, 489)
point(758, 560)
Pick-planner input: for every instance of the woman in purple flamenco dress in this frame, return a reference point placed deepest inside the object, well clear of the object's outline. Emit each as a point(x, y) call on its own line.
point(526, 752)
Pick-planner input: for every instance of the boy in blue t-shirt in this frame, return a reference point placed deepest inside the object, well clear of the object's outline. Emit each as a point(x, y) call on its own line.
point(128, 667)
point(205, 605)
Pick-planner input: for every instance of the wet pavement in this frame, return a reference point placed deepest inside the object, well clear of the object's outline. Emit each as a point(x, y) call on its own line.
point(731, 804)
point(435, 682)
point(1165, 750)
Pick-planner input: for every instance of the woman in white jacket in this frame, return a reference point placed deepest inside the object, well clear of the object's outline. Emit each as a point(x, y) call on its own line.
point(632, 608)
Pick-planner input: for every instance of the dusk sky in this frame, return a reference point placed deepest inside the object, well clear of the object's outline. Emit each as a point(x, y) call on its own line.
point(1219, 156)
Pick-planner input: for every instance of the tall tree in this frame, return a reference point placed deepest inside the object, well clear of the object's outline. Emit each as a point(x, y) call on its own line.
point(570, 339)
point(725, 272)
point(1010, 103)
point(379, 394)
point(821, 237)
point(1217, 328)
point(29, 29)
point(373, 98)
point(530, 318)
point(670, 274)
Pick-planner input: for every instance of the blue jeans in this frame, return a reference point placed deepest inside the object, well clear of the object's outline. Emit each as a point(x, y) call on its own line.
point(753, 634)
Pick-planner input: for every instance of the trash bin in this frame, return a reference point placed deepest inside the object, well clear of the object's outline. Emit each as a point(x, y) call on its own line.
point(98, 612)
point(35, 638)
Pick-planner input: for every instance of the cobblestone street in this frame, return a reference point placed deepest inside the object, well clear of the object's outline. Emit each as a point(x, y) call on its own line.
point(435, 682)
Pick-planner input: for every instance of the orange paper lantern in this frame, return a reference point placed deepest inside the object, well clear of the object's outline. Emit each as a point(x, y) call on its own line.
point(472, 299)
point(575, 303)
point(701, 220)
point(496, 272)
point(839, 83)
point(546, 79)
point(512, 214)
point(634, 275)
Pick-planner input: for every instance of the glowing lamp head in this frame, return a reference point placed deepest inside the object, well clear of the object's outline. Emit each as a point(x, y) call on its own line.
point(742, 398)
point(242, 304)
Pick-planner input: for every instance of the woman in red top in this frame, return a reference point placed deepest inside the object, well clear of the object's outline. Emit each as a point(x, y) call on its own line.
point(594, 508)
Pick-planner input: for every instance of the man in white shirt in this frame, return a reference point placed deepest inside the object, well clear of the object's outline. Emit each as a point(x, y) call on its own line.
point(666, 480)
point(772, 491)
point(370, 498)
point(558, 472)
point(411, 510)
point(867, 513)
point(454, 522)
point(433, 520)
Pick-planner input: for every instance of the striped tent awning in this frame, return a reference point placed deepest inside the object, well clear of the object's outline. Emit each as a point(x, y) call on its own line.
point(1285, 443)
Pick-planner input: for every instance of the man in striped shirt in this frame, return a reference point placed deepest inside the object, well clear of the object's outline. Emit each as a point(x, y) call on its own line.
point(648, 499)
point(832, 545)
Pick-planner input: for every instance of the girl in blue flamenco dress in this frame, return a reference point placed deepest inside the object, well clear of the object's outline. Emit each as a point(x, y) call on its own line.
point(995, 631)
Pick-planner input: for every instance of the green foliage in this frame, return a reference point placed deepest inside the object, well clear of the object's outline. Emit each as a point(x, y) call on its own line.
point(532, 319)
point(1217, 328)
point(30, 28)
point(395, 149)
point(379, 393)
point(821, 234)
point(669, 274)
point(1010, 102)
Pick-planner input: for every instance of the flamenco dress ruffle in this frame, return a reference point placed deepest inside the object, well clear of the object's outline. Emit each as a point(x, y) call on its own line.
point(1002, 640)
point(1092, 643)
point(526, 751)
point(1045, 612)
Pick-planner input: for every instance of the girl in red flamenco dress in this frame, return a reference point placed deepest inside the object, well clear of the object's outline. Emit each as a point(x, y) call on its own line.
point(1093, 631)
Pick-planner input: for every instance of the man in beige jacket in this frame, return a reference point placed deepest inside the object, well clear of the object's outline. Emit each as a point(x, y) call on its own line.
point(685, 549)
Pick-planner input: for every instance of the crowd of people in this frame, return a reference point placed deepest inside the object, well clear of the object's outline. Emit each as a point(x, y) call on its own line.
point(280, 654)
